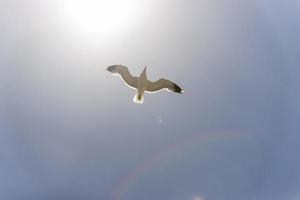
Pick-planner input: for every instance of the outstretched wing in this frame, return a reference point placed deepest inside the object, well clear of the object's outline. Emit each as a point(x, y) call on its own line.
point(163, 84)
point(131, 81)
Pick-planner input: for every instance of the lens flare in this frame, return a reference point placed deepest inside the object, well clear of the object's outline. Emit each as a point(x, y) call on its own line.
point(171, 152)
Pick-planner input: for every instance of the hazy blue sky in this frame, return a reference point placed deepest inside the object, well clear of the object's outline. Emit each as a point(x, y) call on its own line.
point(70, 130)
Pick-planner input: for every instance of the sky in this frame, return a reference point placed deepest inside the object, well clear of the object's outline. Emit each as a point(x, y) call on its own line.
point(70, 130)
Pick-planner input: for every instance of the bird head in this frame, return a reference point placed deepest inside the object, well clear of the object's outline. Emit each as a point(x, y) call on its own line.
point(144, 73)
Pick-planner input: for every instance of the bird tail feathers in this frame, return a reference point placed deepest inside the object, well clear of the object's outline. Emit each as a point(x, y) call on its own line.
point(138, 98)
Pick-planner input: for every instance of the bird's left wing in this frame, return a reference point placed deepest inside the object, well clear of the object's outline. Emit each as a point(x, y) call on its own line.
point(131, 81)
point(163, 84)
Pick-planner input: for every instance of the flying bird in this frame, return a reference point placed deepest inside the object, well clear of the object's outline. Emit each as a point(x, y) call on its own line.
point(141, 84)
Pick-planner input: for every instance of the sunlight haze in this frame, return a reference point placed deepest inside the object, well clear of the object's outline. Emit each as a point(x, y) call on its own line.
point(69, 129)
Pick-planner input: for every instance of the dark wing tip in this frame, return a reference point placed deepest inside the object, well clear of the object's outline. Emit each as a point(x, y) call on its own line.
point(111, 68)
point(177, 89)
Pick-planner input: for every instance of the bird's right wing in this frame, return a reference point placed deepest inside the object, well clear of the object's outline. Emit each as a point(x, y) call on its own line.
point(131, 81)
point(163, 84)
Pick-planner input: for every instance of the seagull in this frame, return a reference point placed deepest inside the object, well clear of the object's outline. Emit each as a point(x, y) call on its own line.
point(141, 84)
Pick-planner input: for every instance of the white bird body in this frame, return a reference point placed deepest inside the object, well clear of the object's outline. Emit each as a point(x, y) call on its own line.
point(141, 84)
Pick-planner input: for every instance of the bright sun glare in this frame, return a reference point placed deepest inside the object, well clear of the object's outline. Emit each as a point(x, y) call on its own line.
point(101, 18)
